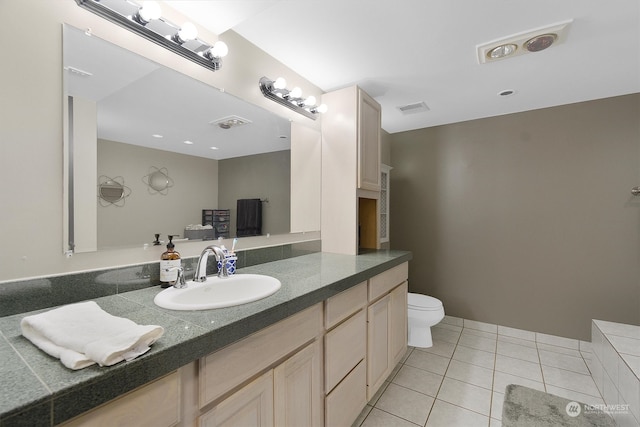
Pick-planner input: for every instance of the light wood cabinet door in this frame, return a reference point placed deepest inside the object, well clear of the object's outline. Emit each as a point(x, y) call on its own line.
point(250, 406)
point(368, 142)
point(378, 360)
point(398, 324)
point(154, 404)
point(346, 401)
point(345, 347)
point(298, 390)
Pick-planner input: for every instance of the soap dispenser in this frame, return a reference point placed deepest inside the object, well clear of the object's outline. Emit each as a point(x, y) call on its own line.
point(170, 258)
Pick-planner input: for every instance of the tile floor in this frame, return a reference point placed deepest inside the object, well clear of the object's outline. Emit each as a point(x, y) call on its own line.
point(460, 381)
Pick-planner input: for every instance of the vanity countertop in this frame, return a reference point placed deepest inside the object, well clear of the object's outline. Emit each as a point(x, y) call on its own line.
point(37, 389)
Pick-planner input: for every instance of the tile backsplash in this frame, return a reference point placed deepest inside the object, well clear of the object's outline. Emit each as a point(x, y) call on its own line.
point(33, 294)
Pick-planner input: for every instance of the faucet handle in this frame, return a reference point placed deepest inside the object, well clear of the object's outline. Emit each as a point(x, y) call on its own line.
point(180, 283)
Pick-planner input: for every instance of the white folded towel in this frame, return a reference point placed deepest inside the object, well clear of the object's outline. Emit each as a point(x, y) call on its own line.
point(83, 334)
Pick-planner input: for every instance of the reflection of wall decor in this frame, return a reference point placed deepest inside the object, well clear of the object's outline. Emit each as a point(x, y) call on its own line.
point(112, 191)
point(158, 181)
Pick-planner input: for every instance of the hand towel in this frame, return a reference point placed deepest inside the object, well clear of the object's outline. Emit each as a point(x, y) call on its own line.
point(83, 334)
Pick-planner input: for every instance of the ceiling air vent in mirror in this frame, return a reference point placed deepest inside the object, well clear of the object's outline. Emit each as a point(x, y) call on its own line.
point(230, 122)
point(417, 107)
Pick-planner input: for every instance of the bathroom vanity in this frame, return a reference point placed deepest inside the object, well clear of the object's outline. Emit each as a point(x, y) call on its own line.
point(311, 354)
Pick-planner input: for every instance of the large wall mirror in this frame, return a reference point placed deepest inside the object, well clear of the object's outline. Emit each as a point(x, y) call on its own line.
point(129, 117)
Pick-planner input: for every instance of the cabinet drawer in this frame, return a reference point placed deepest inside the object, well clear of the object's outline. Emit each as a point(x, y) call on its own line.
point(384, 282)
point(345, 346)
point(343, 305)
point(223, 370)
point(344, 403)
point(154, 404)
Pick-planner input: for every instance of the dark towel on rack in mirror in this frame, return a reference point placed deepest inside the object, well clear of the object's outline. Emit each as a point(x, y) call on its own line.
point(249, 217)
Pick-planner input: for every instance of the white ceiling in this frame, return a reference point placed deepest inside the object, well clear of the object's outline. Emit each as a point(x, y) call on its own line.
point(137, 98)
point(407, 51)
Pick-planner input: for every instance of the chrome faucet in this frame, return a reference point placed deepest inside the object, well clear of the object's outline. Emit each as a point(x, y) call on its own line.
point(180, 282)
point(201, 268)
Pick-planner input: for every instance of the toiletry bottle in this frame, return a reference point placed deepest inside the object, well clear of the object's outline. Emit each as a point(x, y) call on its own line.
point(170, 258)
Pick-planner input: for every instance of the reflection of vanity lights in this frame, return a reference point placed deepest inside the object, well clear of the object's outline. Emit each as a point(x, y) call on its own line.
point(276, 91)
point(147, 21)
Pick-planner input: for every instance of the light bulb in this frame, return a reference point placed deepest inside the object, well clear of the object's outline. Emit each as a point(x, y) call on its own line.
point(322, 108)
point(149, 10)
point(280, 83)
point(187, 32)
point(296, 92)
point(310, 101)
point(219, 49)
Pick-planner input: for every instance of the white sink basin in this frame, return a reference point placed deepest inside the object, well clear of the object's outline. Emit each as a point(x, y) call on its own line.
point(218, 292)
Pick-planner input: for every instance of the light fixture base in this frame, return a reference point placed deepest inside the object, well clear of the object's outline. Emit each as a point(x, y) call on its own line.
point(282, 97)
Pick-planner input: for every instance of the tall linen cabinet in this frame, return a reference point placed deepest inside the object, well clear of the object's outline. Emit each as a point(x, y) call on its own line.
point(350, 171)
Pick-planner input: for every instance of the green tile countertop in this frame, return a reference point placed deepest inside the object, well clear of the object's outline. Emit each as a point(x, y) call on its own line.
point(37, 389)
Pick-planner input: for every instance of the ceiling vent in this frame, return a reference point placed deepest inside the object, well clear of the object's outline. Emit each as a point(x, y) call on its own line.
point(417, 107)
point(230, 122)
point(530, 41)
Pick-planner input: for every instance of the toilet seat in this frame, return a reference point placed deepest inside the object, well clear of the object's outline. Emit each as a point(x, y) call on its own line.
point(421, 302)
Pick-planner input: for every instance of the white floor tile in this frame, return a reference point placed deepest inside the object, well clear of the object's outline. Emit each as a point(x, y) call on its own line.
point(451, 320)
point(461, 380)
point(585, 346)
point(558, 349)
point(479, 333)
point(445, 335)
point(466, 395)
point(516, 333)
point(497, 401)
point(519, 367)
point(479, 343)
point(563, 361)
point(419, 380)
point(445, 414)
point(475, 357)
point(406, 404)
point(570, 380)
point(378, 418)
point(428, 361)
point(574, 395)
point(501, 380)
point(449, 326)
point(559, 341)
point(518, 351)
point(441, 348)
point(472, 374)
point(481, 326)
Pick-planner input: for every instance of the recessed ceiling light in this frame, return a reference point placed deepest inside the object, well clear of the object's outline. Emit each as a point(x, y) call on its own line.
point(156, 135)
point(188, 142)
point(538, 43)
point(214, 148)
point(502, 51)
point(507, 92)
point(534, 40)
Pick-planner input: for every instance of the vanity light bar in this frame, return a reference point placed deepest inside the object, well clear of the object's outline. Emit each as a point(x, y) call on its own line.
point(181, 40)
point(275, 90)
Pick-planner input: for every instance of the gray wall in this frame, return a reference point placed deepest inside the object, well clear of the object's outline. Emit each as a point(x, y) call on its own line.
point(525, 220)
point(195, 187)
point(261, 176)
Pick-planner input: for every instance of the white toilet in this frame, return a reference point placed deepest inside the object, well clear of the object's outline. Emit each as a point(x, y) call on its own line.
point(423, 313)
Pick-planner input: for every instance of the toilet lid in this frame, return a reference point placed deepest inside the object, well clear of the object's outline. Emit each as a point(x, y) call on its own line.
point(423, 302)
